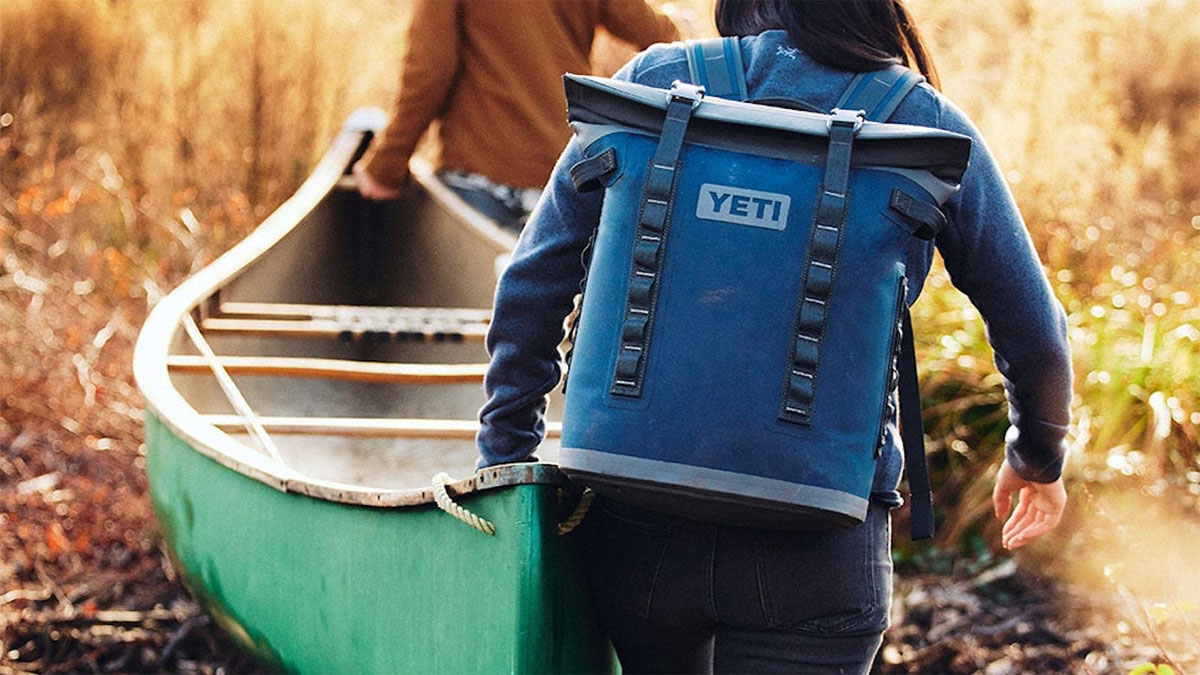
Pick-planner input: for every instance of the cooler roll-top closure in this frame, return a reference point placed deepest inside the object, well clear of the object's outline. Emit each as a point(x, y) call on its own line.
point(598, 107)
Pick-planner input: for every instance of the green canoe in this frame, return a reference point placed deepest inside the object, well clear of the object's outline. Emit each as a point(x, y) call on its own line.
point(302, 392)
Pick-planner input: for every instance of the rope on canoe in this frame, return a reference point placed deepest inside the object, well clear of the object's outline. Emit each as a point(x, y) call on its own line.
point(447, 504)
point(581, 509)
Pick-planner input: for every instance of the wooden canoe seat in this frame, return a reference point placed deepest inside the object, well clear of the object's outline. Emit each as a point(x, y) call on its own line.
point(335, 369)
point(382, 427)
point(351, 322)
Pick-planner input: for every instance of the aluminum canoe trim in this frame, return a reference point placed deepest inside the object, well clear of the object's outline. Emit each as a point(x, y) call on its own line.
point(153, 343)
point(713, 480)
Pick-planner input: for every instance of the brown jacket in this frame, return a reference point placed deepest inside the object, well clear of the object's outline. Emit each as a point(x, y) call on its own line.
point(491, 71)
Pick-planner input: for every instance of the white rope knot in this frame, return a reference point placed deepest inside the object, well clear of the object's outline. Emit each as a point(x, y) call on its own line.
point(447, 504)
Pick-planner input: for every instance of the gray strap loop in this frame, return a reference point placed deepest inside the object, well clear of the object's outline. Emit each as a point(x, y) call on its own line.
point(912, 435)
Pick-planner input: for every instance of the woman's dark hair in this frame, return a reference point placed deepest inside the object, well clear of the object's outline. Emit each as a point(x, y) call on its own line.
point(857, 35)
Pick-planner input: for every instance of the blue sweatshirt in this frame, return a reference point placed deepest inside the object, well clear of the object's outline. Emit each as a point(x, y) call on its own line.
point(985, 246)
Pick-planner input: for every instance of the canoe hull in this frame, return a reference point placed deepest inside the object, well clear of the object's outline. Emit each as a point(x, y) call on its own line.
point(316, 585)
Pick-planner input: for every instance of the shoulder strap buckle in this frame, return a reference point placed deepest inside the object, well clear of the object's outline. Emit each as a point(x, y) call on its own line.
point(846, 118)
point(683, 91)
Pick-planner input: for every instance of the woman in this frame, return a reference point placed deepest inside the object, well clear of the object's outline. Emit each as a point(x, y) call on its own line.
point(683, 596)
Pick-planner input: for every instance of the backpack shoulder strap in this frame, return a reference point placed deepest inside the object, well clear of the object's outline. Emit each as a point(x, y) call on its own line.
point(879, 92)
point(716, 65)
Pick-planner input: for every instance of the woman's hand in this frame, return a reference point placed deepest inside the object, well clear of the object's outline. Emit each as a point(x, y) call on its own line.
point(1039, 510)
point(369, 187)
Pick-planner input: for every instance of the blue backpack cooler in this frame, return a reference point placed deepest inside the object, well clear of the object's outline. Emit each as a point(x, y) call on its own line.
point(744, 322)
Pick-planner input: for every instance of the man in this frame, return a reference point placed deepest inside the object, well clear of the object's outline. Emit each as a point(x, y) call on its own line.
point(491, 72)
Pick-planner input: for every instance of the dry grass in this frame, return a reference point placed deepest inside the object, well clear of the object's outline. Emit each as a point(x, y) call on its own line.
point(139, 138)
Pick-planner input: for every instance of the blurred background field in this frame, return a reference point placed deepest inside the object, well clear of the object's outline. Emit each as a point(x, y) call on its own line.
point(139, 139)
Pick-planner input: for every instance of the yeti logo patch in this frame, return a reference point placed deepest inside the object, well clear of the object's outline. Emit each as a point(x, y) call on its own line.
point(743, 207)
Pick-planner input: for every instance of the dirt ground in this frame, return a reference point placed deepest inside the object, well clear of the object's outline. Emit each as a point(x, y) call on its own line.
point(85, 587)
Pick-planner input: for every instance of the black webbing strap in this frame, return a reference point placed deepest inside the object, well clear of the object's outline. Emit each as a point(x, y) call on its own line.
point(912, 435)
point(716, 65)
point(653, 225)
point(879, 93)
point(820, 268)
point(588, 174)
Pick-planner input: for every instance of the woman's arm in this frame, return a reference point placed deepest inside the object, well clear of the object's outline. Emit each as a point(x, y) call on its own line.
point(533, 297)
point(1039, 511)
point(991, 258)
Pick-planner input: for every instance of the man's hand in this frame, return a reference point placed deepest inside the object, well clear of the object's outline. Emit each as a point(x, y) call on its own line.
point(369, 187)
point(1038, 511)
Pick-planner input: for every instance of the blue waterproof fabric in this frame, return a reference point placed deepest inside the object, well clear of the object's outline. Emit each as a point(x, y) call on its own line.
point(722, 347)
point(985, 246)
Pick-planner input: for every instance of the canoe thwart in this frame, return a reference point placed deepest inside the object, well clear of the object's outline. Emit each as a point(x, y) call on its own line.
point(364, 426)
point(351, 322)
point(337, 312)
point(398, 328)
point(335, 369)
point(308, 312)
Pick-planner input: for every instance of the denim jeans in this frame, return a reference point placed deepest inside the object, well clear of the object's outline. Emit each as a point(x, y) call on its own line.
point(509, 207)
point(680, 596)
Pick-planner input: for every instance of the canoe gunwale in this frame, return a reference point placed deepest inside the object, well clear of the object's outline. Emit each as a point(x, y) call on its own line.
point(170, 408)
point(485, 479)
